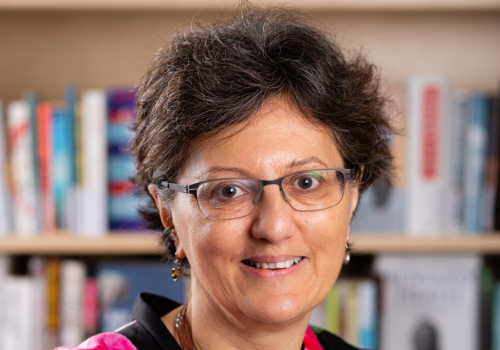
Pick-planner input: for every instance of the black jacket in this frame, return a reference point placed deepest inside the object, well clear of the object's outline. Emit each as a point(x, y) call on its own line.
point(147, 331)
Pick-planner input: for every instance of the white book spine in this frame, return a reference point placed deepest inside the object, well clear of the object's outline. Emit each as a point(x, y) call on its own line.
point(4, 270)
point(426, 113)
point(19, 303)
point(37, 267)
point(23, 173)
point(72, 284)
point(94, 192)
point(5, 218)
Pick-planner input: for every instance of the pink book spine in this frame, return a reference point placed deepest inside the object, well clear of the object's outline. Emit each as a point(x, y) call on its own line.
point(91, 306)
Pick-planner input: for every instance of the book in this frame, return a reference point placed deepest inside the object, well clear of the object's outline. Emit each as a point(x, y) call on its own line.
point(5, 264)
point(426, 120)
point(31, 99)
point(491, 166)
point(123, 203)
point(22, 172)
point(63, 162)
point(18, 300)
point(71, 302)
point(5, 200)
point(37, 271)
point(120, 283)
point(94, 182)
point(367, 314)
point(486, 289)
point(475, 158)
point(91, 309)
point(495, 341)
point(429, 301)
point(454, 178)
point(45, 171)
point(52, 294)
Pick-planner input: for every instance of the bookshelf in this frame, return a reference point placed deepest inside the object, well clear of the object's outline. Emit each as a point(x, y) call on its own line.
point(46, 43)
point(140, 243)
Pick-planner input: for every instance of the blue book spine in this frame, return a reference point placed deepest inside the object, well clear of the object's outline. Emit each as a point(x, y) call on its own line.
point(62, 162)
point(477, 135)
point(71, 96)
point(123, 203)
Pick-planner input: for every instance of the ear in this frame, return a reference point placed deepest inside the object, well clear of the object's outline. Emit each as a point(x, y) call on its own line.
point(166, 220)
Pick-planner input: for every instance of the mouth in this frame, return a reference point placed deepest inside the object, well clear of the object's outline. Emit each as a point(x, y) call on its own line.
point(273, 265)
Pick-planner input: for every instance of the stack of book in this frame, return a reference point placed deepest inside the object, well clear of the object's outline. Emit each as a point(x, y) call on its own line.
point(450, 173)
point(66, 164)
point(58, 302)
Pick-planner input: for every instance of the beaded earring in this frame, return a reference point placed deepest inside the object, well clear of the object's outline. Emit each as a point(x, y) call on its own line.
point(177, 271)
point(347, 256)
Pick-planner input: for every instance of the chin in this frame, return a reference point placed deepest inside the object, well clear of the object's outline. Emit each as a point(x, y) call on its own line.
point(278, 309)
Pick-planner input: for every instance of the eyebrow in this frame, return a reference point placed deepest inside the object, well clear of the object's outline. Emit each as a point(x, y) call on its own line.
point(296, 163)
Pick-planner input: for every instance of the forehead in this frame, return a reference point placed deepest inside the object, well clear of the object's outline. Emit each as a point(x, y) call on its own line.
point(275, 141)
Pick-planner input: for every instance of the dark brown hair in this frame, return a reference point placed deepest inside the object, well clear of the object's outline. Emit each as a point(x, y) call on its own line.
point(213, 76)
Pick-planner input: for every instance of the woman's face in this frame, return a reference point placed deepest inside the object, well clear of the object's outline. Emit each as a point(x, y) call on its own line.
point(276, 143)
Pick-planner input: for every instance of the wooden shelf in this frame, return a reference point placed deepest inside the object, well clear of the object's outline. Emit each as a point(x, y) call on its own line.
point(376, 244)
point(146, 244)
point(137, 243)
point(217, 5)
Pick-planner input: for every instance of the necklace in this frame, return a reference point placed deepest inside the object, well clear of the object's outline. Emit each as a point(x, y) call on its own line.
point(180, 328)
point(310, 340)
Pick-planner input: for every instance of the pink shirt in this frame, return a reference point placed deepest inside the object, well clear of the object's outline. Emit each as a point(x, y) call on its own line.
point(115, 341)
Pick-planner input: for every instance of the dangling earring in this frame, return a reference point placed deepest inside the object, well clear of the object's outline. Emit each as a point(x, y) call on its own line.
point(347, 256)
point(176, 271)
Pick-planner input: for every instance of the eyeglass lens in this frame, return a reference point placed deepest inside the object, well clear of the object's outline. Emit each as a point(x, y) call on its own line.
point(306, 191)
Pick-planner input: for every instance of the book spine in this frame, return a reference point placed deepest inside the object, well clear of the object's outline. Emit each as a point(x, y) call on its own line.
point(426, 120)
point(31, 99)
point(454, 196)
point(44, 126)
point(19, 301)
point(71, 307)
point(91, 310)
point(62, 163)
point(491, 169)
point(5, 202)
point(22, 171)
point(332, 310)
point(4, 271)
point(496, 318)
point(367, 314)
point(352, 313)
point(477, 134)
point(37, 269)
point(52, 303)
point(122, 202)
point(95, 158)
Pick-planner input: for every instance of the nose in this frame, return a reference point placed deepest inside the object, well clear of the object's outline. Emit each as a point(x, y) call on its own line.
point(273, 216)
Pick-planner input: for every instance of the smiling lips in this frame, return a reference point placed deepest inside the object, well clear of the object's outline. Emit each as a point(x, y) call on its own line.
point(273, 265)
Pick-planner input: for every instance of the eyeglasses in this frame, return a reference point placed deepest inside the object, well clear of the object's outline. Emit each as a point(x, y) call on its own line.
point(233, 198)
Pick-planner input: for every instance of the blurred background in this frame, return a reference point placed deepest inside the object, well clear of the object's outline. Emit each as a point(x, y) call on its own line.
point(425, 265)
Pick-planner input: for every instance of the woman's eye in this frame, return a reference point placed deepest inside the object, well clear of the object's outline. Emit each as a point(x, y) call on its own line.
point(306, 183)
point(229, 192)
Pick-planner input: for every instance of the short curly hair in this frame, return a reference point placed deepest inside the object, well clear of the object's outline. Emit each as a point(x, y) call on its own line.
point(213, 76)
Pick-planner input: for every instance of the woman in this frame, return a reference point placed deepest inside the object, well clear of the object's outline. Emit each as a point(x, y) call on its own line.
point(255, 137)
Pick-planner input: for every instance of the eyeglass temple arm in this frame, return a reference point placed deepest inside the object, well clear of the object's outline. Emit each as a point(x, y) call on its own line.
point(175, 187)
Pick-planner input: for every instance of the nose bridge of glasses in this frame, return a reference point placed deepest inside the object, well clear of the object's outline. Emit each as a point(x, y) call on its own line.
point(272, 182)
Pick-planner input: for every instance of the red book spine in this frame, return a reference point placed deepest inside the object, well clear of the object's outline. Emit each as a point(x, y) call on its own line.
point(91, 315)
point(44, 126)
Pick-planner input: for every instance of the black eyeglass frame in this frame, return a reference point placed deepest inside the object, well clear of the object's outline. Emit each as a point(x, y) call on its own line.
point(193, 188)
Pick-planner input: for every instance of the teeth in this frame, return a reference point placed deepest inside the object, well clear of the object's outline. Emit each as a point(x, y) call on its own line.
point(277, 265)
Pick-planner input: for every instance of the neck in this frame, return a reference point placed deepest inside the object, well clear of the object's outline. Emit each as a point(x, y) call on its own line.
point(210, 327)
